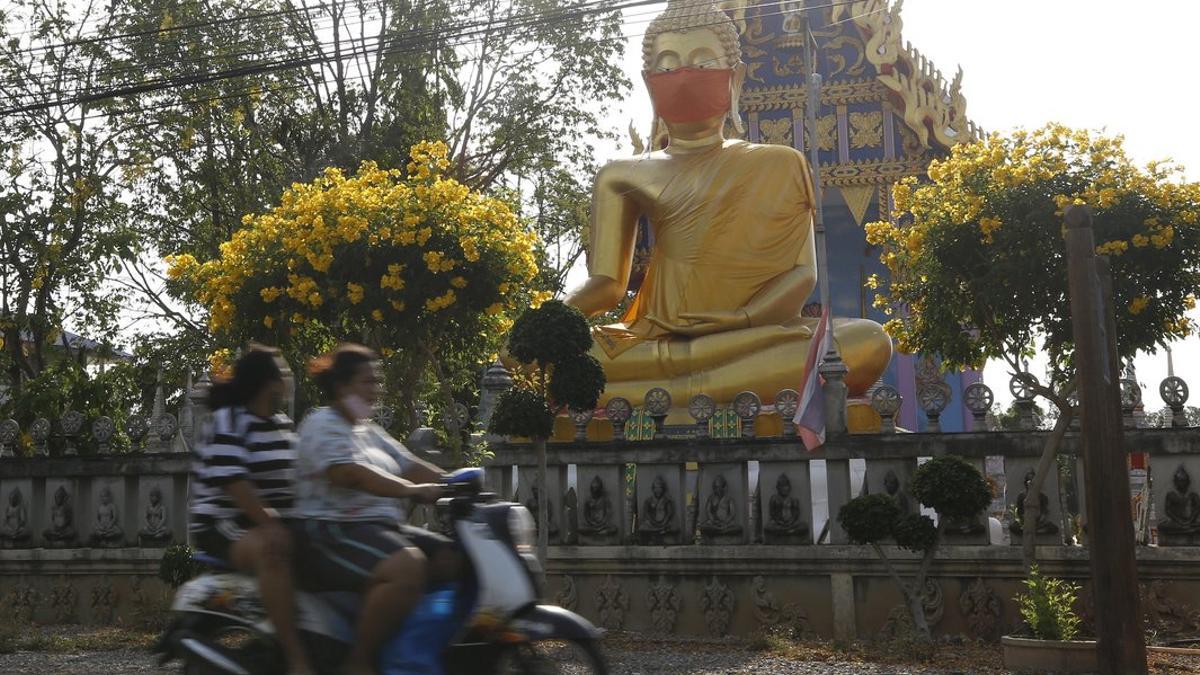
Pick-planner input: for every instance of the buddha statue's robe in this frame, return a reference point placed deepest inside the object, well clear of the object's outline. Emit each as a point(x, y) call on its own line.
point(727, 222)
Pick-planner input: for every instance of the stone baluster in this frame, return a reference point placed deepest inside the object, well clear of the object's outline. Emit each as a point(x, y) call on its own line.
point(71, 424)
point(582, 418)
point(165, 428)
point(496, 381)
point(1174, 392)
point(702, 407)
point(934, 398)
point(747, 405)
point(137, 429)
point(787, 402)
point(978, 398)
point(1131, 397)
point(1022, 388)
point(886, 400)
point(833, 370)
point(39, 431)
point(10, 433)
point(103, 429)
point(658, 405)
point(618, 411)
point(187, 412)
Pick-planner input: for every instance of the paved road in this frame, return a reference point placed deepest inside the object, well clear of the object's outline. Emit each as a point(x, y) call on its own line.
point(623, 662)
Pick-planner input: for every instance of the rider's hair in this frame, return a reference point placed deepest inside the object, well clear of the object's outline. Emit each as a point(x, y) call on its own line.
point(257, 367)
point(338, 367)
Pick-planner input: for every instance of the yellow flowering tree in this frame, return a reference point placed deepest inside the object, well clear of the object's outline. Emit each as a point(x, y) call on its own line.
point(410, 262)
point(977, 257)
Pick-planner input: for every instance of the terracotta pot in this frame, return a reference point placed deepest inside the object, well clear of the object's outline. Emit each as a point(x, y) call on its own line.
point(1025, 655)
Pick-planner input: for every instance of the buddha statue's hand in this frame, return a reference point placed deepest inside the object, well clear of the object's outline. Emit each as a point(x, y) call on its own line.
point(704, 323)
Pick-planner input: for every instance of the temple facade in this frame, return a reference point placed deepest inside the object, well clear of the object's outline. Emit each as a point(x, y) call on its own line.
point(885, 112)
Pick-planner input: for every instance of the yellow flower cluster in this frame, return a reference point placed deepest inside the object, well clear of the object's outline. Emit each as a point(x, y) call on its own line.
point(1138, 305)
point(441, 302)
point(367, 222)
point(1114, 248)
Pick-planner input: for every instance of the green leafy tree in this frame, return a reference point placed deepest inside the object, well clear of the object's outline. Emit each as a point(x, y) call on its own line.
point(64, 226)
point(977, 259)
point(950, 486)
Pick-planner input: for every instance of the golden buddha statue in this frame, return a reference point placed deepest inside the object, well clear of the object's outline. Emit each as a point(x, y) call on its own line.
point(734, 257)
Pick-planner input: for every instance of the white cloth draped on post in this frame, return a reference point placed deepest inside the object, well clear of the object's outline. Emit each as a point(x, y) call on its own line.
point(810, 416)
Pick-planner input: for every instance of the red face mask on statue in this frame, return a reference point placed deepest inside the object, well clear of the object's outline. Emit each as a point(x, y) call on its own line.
point(689, 95)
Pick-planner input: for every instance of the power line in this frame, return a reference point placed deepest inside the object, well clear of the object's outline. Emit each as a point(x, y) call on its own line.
point(426, 38)
point(420, 38)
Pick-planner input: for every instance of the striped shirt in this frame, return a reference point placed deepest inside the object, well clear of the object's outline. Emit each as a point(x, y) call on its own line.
point(242, 446)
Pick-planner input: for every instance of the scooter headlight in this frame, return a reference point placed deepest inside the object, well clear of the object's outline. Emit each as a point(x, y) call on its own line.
point(521, 528)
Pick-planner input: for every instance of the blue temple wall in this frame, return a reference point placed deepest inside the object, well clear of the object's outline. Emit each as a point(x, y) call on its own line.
point(774, 52)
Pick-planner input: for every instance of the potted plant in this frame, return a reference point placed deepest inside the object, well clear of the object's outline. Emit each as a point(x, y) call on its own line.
point(949, 485)
point(1048, 610)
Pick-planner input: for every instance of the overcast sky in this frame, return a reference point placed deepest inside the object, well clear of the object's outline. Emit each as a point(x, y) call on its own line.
point(1109, 64)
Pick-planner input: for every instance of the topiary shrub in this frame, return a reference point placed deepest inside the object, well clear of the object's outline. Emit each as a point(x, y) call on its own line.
point(949, 485)
point(552, 333)
point(869, 519)
point(552, 343)
point(522, 412)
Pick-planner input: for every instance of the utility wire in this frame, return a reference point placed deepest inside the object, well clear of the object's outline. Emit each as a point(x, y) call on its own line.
point(429, 37)
point(421, 39)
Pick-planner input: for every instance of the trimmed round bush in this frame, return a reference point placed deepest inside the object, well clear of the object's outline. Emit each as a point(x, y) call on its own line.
point(551, 334)
point(576, 382)
point(915, 532)
point(951, 486)
point(522, 412)
point(869, 519)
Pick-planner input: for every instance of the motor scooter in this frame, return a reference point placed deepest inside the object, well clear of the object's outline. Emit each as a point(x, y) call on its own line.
point(488, 622)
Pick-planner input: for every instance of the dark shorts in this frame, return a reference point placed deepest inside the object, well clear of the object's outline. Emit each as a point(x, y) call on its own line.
point(217, 536)
point(340, 555)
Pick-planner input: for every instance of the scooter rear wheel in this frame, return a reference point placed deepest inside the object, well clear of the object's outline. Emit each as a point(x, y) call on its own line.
point(553, 657)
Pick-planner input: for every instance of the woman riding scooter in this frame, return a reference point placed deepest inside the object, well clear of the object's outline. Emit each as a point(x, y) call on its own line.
point(351, 475)
point(242, 489)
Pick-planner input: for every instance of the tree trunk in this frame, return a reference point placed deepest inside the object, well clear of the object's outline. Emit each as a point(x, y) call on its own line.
point(449, 414)
point(1033, 505)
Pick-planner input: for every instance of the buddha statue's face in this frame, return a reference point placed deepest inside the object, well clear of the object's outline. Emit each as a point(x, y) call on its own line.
point(106, 496)
point(891, 483)
point(597, 488)
point(60, 496)
point(1182, 480)
point(1029, 475)
point(783, 486)
point(699, 49)
point(155, 496)
point(659, 488)
point(719, 486)
point(15, 498)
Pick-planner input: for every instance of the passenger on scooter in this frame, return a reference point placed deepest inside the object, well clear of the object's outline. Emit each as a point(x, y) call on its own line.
point(350, 477)
point(242, 488)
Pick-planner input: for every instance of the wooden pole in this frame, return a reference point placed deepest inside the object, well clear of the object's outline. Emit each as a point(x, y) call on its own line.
point(1120, 641)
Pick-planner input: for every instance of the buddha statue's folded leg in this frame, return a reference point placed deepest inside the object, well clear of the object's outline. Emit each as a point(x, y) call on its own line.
point(726, 364)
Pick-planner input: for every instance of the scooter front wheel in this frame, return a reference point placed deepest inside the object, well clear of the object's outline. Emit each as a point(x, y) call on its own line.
point(553, 657)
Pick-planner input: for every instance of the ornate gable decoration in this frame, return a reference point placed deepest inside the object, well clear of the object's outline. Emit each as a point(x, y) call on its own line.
point(935, 111)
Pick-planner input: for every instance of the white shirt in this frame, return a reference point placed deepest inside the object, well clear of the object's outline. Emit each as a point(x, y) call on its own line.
point(328, 439)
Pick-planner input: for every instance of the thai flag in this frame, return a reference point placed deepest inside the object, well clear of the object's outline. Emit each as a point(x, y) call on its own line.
point(810, 416)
